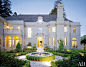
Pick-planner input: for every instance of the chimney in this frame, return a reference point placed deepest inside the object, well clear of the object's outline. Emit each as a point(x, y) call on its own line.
point(60, 10)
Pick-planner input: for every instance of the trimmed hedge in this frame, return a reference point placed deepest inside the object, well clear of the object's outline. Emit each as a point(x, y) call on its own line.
point(47, 58)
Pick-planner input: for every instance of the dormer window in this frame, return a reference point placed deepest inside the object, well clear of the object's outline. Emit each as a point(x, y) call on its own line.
point(40, 19)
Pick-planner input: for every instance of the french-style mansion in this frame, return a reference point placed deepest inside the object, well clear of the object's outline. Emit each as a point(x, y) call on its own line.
point(39, 30)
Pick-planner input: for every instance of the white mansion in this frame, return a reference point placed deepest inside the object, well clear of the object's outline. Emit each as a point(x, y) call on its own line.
point(39, 30)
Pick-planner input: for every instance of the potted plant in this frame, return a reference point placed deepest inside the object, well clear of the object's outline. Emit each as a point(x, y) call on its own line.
point(29, 45)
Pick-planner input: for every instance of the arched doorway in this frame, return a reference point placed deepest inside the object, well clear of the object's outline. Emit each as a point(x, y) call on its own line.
point(74, 42)
point(7, 42)
point(15, 41)
point(40, 42)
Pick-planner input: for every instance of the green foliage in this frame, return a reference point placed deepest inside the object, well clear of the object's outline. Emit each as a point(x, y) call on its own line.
point(83, 41)
point(18, 47)
point(5, 9)
point(61, 45)
point(47, 58)
point(15, 14)
point(53, 64)
point(72, 61)
point(54, 10)
point(29, 44)
point(9, 61)
point(45, 44)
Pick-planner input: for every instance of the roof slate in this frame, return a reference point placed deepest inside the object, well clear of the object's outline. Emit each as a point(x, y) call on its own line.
point(34, 18)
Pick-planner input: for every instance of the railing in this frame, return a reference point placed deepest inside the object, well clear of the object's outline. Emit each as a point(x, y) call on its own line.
point(12, 31)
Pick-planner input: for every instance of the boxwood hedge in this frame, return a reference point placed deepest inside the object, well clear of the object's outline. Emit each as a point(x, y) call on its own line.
point(47, 58)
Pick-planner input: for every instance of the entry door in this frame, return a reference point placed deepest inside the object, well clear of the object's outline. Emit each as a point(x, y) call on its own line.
point(40, 43)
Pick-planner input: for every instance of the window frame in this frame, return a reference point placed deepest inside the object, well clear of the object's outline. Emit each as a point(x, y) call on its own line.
point(53, 41)
point(29, 32)
point(74, 30)
point(65, 29)
point(54, 28)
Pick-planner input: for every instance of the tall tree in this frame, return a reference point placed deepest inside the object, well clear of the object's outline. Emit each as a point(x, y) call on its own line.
point(5, 8)
point(54, 10)
point(83, 41)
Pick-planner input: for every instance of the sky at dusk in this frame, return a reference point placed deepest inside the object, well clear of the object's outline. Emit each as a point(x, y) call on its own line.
point(74, 9)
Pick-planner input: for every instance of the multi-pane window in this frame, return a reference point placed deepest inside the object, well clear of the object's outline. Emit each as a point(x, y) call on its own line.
point(40, 30)
point(29, 32)
point(65, 41)
point(74, 42)
point(49, 41)
point(65, 29)
point(53, 41)
point(53, 29)
point(18, 27)
point(74, 30)
point(11, 27)
point(48, 29)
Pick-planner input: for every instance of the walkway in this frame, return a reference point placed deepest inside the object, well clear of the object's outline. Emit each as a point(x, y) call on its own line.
point(38, 63)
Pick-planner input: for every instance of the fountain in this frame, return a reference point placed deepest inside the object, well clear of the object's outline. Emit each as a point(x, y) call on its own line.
point(40, 53)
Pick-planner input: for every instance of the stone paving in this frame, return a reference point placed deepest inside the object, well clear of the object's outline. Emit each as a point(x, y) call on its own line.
point(38, 63)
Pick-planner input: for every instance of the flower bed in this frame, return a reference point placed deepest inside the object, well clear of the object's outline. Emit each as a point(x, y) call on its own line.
point(47, 58)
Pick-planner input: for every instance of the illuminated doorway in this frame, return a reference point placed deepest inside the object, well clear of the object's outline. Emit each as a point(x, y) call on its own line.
point(7, 41)
point(15, 41)
point(40, 42)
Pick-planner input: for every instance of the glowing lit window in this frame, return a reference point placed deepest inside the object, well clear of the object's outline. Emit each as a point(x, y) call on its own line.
point(11, 27)
point(65, 29)
point(48, 41)
point(74, 42)
point(74, 30)
point(29, 32)
point(40, 30)
point(18, 27)
point(65, 41)
point(8, 27)
point(53, 29)
point(53, 41)
point(48, 29)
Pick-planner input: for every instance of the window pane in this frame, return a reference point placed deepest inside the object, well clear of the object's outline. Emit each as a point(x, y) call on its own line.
point(53, 29)
point(18, 27)
point(48, 41)
point(65, 41)
point(74, 30)
point(29, 32)
point(48, 29)
point(11, 27)
point(53, 41)
point(65, 29)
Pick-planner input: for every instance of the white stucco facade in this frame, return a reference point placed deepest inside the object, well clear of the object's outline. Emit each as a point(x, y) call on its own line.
point(47, 30)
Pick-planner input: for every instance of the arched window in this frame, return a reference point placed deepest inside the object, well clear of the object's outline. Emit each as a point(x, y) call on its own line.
point(74, 42)
point(7, 41)
point(15, 40)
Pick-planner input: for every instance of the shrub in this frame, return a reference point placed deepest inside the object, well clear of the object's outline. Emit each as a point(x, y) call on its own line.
point(18, 47)
point(29, 44)
point(72, 61)
point(47, 58)
point(8, 61)
point(61, 45)
point(53, 64)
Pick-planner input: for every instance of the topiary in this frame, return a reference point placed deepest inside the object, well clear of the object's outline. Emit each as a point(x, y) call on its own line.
point(18, 47)
point(61, 45)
